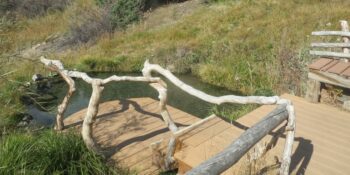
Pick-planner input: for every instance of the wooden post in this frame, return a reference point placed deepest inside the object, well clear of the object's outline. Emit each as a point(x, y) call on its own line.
point(87, 128)
point(57, 66)
point(313, 91)
point(63, 106)
point(345, 28)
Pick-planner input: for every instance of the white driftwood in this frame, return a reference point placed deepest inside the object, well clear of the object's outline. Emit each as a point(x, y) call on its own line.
point(148, 68)
point(193, 126)
point(288, 147)
point(58, 67)
point(331, 33)
point(330, 54)
point(331, 45)
point(345, 28)
point(87, 128)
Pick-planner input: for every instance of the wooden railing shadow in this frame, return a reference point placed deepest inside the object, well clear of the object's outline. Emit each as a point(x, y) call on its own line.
point(301, 155)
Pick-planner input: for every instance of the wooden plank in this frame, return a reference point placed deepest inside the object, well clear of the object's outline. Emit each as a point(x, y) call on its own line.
point(329, 65)
point(320, 63)
point(329, 78)
point(330, 45)
point(346, 72)
point(339, 67)
point(330, 54)
point(331, 33)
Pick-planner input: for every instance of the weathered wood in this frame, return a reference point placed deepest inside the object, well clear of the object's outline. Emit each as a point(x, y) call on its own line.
point(149, 68)
point(331, 45)
point(345, 28)
point(58, 67)
point(225, 159)
point(331, 33)
point(61, 109)
point(329, 78)
point(313, 90)
point(288, 146)
point(87, 129)
point(337, 55)
point(193, 126)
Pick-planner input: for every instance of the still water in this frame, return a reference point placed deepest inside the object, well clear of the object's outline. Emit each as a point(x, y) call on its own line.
point(124, 90)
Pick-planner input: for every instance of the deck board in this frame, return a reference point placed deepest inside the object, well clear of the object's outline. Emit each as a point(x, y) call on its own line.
point(127, 128)
point(321, 145)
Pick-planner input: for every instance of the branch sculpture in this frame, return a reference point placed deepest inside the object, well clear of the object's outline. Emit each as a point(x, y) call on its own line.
point(285, 111)
point(288, 106)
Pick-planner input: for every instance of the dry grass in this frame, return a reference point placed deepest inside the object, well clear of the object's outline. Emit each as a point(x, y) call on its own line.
point(243, 46)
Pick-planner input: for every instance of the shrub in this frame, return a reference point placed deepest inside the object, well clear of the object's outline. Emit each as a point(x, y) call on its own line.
point(125, 12)
point(49, 153)
point(87, 24)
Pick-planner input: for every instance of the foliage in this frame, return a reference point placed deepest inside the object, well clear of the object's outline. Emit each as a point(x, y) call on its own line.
point(125, 12)
point(241, 45)
point(49, 153)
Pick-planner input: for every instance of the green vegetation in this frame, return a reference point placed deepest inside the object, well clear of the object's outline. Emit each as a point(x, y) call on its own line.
point(49, 152)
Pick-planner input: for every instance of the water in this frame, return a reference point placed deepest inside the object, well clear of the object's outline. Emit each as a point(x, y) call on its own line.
point(124, 90)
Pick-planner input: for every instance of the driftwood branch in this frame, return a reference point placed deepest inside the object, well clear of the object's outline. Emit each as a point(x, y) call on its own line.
point(330, 54)
point(149, 68)
point(87, 128)
point(290, 128)
point(331, 33)
point(57, 66)
point(225, 159)
point(331, 45)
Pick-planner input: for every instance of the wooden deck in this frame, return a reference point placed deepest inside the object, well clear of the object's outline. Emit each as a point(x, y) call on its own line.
point(322, 142)
point(127, 128)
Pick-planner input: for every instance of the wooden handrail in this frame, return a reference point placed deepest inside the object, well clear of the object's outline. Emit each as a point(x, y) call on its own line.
point(230, 155)
point(98, 86)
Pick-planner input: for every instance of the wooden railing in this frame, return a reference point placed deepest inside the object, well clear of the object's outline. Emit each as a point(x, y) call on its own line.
point(345, 34)
point(215, 165)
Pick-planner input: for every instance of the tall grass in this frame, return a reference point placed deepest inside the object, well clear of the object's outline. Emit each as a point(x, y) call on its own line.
point(50, 153)
point(240, 45)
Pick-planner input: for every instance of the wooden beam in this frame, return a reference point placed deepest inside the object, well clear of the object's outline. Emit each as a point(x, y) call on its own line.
point(329, 78)
point(230, 155)
point(330, 45)
point(331, 33)
point(330, 54)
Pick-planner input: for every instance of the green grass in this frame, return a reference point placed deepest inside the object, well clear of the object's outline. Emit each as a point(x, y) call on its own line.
point(240, 45)
point(50, 153)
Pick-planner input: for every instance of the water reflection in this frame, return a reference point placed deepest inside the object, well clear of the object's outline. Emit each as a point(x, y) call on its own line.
point(124, 90)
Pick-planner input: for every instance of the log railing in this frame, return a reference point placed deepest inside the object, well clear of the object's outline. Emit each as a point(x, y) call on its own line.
point(345, 34)
point(215, 165)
